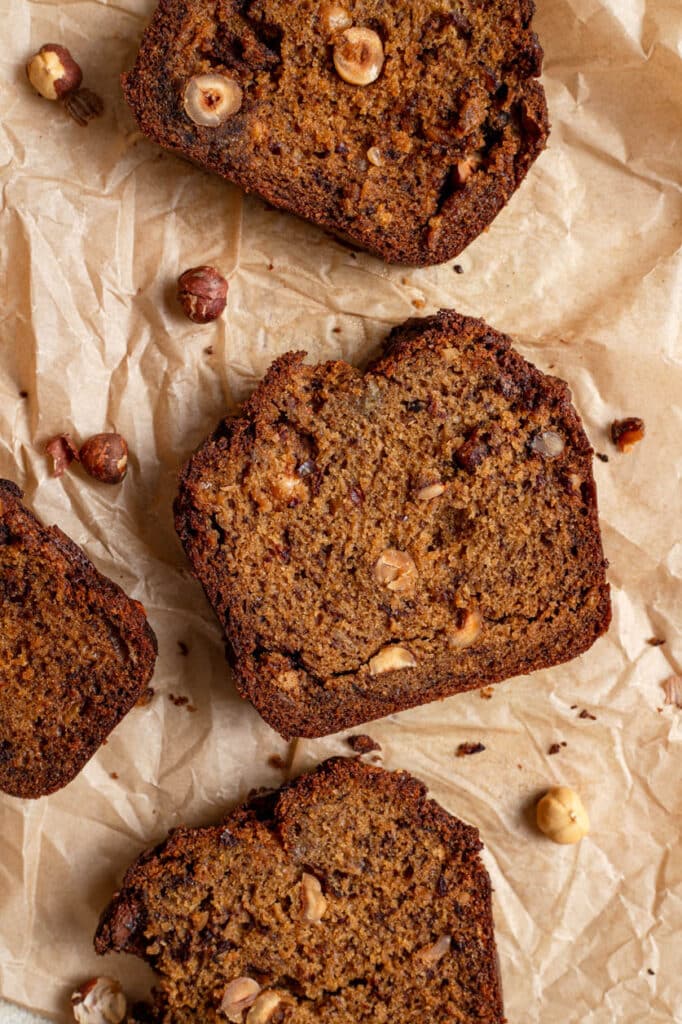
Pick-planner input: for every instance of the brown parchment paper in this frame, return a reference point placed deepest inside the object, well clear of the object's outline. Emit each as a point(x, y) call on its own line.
point(583, 269)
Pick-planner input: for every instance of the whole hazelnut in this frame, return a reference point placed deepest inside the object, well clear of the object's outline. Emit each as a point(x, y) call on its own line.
point(105, 458)
point(560, 814)
point(99, 1001)
point(209, 100)
point(53, 72)
point(202, 293)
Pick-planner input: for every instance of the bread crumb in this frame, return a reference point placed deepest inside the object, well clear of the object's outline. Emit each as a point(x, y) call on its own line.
point(464, 749)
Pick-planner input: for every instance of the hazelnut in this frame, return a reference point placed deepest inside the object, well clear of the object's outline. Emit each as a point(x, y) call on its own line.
point(99, 1001)
point(374, 156)
point(314, 903)
point(359, 56)
point(391, 659)
point(467, 167)
point(53, 72)
point(435, 952)
point(263, 1008)
point(335, 18)
point(430, 492)
point(63, 452)
point(105, 458)
point(239, 995)
point(625, 434)
point(548, 443)
point(209, 100)
point(467, 631)
point(561, 816)
point(395, 570)
point(289, 489)
point(202, 293)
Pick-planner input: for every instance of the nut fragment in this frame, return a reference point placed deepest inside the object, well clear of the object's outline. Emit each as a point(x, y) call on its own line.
point(239, 995)
point(83, 106)
point(436, 951)
point(263, 1008)
point(63, 452)
point(391, 659)
point(625, 434)
point(359, 56)
point(561, 816)
point(548, 443)
point(314, 903)
point(467, 629)
point(53, 72)
point(374, 156)
point(105, 458)
point(430, 492)
point(473, 452)
point(202, 293)
point(395, 570)
point(335, 18)
point(99, 1001)
point(209, 100)
point(467, 167)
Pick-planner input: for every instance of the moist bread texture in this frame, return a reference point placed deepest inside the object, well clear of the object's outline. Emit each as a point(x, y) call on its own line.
point(412, 166)
point(371, 542)
point(75, 653)
point(345, 897)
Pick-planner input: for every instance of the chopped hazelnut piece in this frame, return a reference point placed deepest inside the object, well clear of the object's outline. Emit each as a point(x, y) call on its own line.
point(625, 434)
point(548, 443)
point(391, 659)
point(335, 18)
point(314, 903)
point(209, 100)
point(430, 492)
point(239, 995)
point(359, 56)
point(264, 1007)
point(99, 1001)
point(436, 951)
point(467, 630)
point(374, 156)
point(395, 570)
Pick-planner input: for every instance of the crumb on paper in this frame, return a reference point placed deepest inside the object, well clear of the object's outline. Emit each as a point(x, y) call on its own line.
point(649, 971)
point(626, 433)
point(586, 714)
point(418, 303)
point(208, 350)
point(458, 268)
point(573, 707)
point(23, 393)
point(655, 641)
point(362, 744)
point(602, 457)
point(557, 747)
point(275, 761)
point(672, 687)
point(181, 702)
point(63, 452)
point(465, 749)
point(183, 649)
point(486, 692)
point(113, 775)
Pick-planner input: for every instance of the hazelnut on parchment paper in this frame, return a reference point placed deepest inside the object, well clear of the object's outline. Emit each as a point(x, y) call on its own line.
point(105, 458)
point(560, 814)
point(99, 1001)
point(53, 72)
point(202, 293)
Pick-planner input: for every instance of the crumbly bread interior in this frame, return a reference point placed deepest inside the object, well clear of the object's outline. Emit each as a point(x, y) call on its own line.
point(441, 457)
point(412, 166)
point(348, 898)
point(75, 654)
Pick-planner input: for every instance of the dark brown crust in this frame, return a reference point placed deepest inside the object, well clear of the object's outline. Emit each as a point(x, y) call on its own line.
point(464, 211)
point(62, 758)
point(233, 439)
point(122, 924)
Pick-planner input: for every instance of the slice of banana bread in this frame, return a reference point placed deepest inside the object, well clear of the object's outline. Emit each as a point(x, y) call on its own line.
point(374, 541)
point(347, 896)
point(402, 127)
point(75, 653)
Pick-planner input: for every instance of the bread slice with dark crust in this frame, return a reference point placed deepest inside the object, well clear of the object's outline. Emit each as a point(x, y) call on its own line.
point(370, 542)
point(345, 897)
point(411, 167)
point(75, 653)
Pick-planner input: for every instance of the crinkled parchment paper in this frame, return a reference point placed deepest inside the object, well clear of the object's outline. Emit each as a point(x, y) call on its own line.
point(583, 269)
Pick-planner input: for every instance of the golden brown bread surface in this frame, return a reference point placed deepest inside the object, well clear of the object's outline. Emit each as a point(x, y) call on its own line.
point(75, 653)
point(347, 897)
point(412, 166)
point(370, 542)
